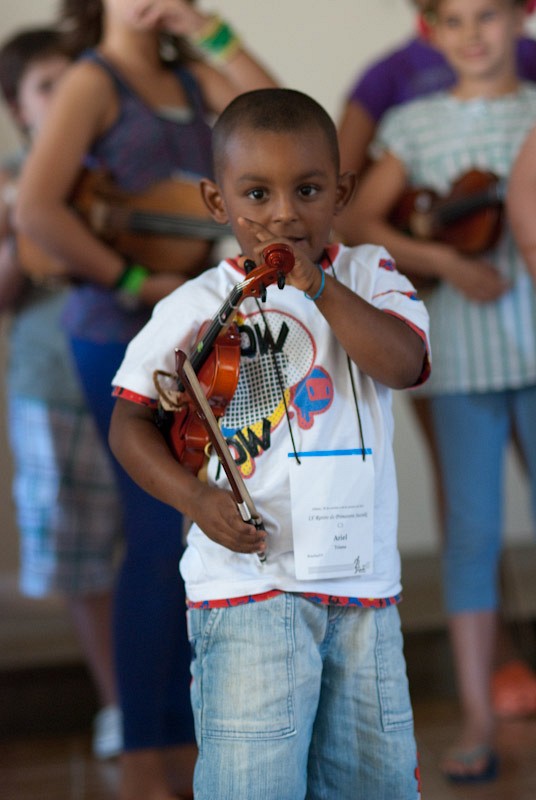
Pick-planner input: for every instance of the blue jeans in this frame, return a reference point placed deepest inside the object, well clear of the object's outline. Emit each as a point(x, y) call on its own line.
point(152, 654)
point(296, 700)
point(472, 432)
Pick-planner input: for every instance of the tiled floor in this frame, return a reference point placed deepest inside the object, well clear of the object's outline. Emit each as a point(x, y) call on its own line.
point(436, 724)
point(45, 748)
point(61, 767)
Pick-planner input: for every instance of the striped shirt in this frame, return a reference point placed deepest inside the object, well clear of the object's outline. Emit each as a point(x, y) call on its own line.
point(477, 347)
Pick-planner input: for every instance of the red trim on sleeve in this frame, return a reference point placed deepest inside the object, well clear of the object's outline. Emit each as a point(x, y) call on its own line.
point(427, 366)
point(134, 397)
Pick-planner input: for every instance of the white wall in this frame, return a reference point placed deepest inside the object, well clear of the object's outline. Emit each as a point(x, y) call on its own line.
point(316, 47)
point(313, 46)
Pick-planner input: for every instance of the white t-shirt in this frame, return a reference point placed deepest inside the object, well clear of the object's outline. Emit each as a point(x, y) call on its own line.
point(314, 370)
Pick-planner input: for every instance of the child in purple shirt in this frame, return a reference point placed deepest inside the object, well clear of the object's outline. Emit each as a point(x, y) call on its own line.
point(412, 70)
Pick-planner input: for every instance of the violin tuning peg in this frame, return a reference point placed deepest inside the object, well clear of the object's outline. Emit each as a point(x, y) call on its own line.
point(249, 265)
point(281, 280)
point(262, 292)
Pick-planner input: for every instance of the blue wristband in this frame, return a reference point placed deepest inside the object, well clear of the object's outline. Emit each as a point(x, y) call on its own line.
point(321, 287)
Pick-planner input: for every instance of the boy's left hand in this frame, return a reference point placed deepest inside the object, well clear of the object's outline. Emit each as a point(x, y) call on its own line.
point(304, 275)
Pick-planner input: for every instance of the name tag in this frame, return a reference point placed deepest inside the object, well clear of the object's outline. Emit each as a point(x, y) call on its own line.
point(332, 500)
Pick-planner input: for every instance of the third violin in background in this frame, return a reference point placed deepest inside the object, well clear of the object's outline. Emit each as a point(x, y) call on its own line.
point(469, 217)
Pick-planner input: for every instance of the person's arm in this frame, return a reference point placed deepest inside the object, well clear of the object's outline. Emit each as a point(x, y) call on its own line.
point(13, 281)
point(356, 131)
point(221, 85)
point(521, 201)
point(82, 109)
point(381, 345)
point(77, 116)
point(141, 449)
point(366, 219)
point(372, 94)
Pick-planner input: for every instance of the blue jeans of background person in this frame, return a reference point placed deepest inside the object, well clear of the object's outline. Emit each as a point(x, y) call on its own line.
point(297, 700)
point(472, 432)
point(151, 645)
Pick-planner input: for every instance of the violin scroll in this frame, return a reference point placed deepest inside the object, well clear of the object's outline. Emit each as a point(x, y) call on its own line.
point(279, 256)
point(278, 261)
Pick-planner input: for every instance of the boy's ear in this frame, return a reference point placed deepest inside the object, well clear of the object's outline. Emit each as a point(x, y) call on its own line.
point(345, 190)
point(212, 197)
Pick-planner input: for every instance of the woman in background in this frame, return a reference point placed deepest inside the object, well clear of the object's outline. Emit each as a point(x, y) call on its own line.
point(137, 104)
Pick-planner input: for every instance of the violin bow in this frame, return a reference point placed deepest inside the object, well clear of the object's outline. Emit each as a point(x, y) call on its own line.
point(245, 504)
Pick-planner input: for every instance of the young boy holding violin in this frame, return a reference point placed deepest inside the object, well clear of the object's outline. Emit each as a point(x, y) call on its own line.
point(299, 682)
point(483, 324)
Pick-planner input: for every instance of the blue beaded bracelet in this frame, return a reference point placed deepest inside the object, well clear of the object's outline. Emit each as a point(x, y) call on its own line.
point(321, 287)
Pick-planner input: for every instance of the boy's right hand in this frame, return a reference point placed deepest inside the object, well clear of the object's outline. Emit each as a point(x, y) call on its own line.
point(217, 514)
point(476, 278)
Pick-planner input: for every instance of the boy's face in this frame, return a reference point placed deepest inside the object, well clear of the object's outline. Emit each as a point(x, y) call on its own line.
point(478, 36)
point(36, 89)
point(287, 182)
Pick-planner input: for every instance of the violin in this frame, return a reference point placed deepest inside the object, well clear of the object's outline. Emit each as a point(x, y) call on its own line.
point(215, 359)
point(243, 499)
point(167, 228)
point(469, 218)
point(34, 261)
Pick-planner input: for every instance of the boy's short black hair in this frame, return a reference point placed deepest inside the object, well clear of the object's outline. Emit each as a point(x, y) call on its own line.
point(276, 111)
point(20, 50)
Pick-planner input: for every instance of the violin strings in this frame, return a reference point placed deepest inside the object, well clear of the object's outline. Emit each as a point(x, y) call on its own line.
point(271, 347)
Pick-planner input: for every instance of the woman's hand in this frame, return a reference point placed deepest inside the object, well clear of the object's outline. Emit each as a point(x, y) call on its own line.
point(178, 17)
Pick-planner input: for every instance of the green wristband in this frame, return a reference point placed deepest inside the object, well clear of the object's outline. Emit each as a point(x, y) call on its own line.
point(132, 279)
point(217, 39)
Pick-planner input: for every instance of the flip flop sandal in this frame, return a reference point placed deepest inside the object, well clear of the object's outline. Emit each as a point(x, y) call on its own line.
point(488, 771)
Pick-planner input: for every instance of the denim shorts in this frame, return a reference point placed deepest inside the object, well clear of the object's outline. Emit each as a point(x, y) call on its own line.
point(293, 700)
